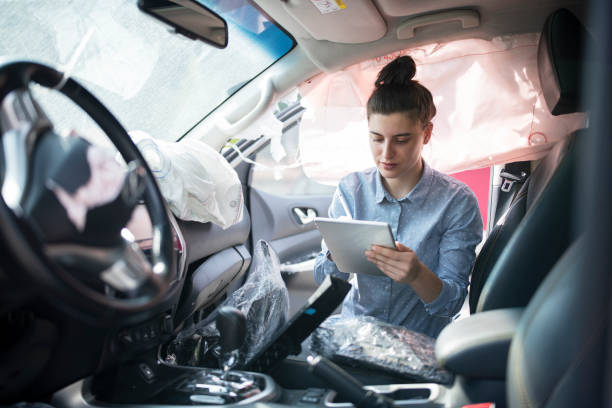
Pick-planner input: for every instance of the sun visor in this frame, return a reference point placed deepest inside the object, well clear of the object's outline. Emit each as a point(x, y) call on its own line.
point(490, 108)
point(342, 21)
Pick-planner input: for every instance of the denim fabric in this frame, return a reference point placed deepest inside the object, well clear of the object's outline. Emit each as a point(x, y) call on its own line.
point(439, 220)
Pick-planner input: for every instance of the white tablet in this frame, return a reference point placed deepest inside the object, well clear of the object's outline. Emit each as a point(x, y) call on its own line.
point(347, 240)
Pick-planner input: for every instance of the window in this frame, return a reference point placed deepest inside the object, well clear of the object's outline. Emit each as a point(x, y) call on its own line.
point(278, 166)
point(151, 79)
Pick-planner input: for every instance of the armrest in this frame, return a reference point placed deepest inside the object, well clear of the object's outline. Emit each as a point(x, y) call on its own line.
point(477, 347)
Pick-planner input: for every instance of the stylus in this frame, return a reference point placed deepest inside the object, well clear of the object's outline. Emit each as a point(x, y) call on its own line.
point(344, 205)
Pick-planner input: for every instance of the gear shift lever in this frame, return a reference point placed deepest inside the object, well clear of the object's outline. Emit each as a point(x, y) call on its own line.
point(346, 384)
point(231, 324)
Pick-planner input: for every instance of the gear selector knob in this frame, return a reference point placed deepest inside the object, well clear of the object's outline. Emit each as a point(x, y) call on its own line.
point(231, 324)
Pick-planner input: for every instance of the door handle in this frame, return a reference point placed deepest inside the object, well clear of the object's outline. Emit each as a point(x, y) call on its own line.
point(305, 215)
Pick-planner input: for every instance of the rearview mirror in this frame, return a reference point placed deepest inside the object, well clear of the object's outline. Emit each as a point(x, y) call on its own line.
point(190, 19)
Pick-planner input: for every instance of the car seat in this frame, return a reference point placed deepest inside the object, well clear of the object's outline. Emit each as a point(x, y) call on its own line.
point(557, 355)
point(538, 227)
point(560, 353)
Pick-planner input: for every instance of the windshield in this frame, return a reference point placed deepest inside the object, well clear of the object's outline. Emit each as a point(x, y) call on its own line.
point(150, 79)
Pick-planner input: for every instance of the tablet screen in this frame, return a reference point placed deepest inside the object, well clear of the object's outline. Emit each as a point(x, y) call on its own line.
point(347, 240)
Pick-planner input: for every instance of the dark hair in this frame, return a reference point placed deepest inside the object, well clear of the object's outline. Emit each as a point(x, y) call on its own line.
point(396, 91)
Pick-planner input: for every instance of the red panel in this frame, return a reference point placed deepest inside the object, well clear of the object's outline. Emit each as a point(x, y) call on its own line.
point(478, 181)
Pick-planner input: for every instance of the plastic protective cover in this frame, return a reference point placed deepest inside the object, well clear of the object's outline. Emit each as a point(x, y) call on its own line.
point(264, 300)
point(198, 183)
point(367, 342)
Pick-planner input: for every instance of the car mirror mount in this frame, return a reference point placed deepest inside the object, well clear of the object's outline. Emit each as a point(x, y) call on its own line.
point(189, 18)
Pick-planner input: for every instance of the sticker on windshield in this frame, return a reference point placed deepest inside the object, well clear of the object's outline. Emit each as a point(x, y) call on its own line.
point(329, 6)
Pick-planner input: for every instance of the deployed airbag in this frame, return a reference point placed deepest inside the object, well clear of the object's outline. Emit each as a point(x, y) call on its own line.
point(490, 108)
point(198, 183)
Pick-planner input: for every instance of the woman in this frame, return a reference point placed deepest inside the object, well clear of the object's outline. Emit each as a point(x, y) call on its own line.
point(435, 219)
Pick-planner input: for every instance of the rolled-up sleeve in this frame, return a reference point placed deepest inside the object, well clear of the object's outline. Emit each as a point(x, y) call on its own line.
point(323, 267)
point(456, 256)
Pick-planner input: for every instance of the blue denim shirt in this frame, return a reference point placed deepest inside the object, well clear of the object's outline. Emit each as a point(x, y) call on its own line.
point(439, 220)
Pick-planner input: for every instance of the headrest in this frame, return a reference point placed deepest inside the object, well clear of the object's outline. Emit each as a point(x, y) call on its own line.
point(561, 61)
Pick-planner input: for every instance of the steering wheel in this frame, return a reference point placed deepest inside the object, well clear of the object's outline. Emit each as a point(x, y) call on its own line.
point(109, 282)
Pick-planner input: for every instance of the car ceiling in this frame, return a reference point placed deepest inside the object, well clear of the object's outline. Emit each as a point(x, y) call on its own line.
point(497, 17)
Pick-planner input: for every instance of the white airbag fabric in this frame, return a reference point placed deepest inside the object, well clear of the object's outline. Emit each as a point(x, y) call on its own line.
point(198, 183)
point(487, 93)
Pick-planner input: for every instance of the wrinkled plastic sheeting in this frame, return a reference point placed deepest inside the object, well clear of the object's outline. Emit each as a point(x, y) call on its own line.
point(198, 183)
point(264, 300)
point(367, 342)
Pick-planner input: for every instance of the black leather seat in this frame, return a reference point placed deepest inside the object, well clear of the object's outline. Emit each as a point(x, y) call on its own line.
point(560, 353)
point(538, 227)
point(557, 355)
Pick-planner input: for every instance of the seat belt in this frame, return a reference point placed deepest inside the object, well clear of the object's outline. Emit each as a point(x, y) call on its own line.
point(513, 177)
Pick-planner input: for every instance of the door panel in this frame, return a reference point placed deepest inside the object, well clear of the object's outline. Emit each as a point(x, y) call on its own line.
point(275, 220)
point(282, 200)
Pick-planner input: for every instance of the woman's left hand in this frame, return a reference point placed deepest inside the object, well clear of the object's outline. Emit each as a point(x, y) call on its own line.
point(400, 264)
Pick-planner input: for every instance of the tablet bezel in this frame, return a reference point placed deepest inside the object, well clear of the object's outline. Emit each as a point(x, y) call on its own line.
point(347, 241)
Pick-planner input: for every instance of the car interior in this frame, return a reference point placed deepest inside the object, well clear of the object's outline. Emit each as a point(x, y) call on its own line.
point(118, 290)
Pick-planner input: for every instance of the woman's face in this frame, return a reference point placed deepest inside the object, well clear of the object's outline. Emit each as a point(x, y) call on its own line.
point(396, 141)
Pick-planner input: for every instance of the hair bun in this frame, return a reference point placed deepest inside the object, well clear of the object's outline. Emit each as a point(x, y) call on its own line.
point(398, 72)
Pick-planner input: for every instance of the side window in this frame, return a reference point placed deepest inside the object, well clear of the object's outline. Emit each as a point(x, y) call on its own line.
point(279, 167)
point(286, 165)
point(298, 160)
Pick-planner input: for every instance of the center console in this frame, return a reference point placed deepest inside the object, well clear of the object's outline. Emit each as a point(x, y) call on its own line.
point(188, 386)
point(215, 387)
point(177, 386)
point(473, 348)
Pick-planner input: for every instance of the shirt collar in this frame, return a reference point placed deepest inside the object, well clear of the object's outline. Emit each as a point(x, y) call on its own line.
point(420, 190)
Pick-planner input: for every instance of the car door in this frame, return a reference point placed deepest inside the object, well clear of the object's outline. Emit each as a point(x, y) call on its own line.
point(282, 200)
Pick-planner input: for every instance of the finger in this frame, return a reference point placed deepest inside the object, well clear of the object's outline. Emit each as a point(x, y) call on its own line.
point(401, 247)
point(374, 254)
point(390, 271)
point(390, 256)
point(394, 260)
point(389, 264)
point(384, 251)
point(378, 257)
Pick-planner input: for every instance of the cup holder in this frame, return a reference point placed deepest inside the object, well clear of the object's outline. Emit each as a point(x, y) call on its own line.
point(402, 394)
